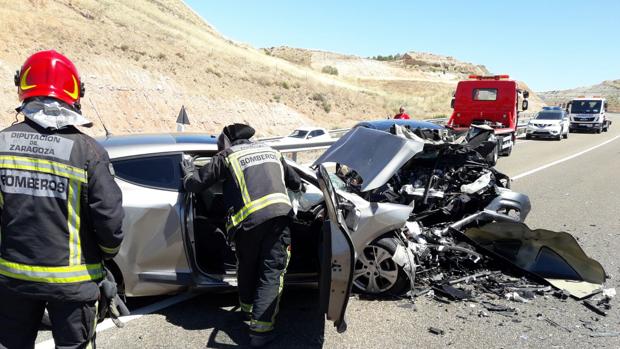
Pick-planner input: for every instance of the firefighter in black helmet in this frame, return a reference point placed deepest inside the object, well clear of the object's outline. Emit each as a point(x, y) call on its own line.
point(255, 181)
point(60, 211)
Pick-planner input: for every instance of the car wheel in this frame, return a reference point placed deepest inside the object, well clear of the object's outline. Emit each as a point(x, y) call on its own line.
point(598, 130)
point(606, 128)
point(376, 272)
point(560, 135)
point(565, 135)
point(528, 137)
point(508, 151)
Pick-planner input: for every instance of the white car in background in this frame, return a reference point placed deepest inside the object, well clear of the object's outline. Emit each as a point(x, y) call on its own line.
point(551, 122)
point(308, 134)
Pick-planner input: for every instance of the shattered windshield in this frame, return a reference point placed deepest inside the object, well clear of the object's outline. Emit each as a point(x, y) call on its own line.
point(298, 134)
point(546, 115)
point(586, 107)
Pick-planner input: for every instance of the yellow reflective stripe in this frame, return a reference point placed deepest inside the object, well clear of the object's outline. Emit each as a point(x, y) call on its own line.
point(281, 285)
point(110, 250)
point(236, 168)
point(67, 274)
point(93, 330)
point(44, 166)
point(1, 200)
point(261, 326)
point(246, 308)
point(270, 199)
point(73, 223)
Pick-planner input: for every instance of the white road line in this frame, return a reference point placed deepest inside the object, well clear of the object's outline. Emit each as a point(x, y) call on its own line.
point(563, 159)
point(136, 314)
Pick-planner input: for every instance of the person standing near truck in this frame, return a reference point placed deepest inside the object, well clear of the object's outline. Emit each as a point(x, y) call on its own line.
point(401, 114)
point(60, 210)
point(255, 180)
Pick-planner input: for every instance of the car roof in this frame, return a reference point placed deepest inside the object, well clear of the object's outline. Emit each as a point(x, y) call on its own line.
point(309, 128)
point(143, 144)
point(385, 124)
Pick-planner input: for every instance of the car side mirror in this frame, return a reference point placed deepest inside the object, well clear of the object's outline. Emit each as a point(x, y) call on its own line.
point(605, 106)
point(524, 105)
point(526, 94)
point(452, 103)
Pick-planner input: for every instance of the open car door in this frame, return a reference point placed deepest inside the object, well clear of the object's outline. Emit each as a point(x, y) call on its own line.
point(337, 257)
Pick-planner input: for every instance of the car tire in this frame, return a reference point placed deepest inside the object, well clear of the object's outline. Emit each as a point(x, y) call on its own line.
point(599, 129)
point(528, 137)
point(606, 128)
point(565, 135)
point(560, 135)
point(508, 151)
point(384, 277)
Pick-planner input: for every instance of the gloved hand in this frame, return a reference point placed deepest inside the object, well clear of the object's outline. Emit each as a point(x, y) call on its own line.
point(188, 167)
point(110, 304)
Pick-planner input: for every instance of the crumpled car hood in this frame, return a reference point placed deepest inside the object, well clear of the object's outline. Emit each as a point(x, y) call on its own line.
point(375, 155)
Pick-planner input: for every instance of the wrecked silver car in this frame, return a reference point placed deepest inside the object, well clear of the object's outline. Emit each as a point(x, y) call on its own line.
point(448, 215)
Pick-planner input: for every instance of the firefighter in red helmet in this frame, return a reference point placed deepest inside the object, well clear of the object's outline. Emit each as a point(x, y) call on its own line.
point(60, 210)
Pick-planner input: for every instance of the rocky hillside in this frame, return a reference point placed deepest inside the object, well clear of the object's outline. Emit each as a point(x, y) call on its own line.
point(424, 82)
point(609, 89)
point(142, 60)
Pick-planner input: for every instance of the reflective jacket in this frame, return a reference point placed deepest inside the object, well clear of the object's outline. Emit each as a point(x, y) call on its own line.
point(61, 212)
point(255, 181)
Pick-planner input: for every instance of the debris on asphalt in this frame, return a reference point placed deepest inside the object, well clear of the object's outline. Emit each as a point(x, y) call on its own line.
point(604, 334)
point(436, 331)
point(555, 324)
point(464, 239)
point(514, 296)
point(595, 308)
point(452, 293)
point(561, 294)
point(497, 308)
point(609, 293)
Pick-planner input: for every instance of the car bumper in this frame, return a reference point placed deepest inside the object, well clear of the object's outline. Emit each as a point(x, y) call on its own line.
point(584, 125)
point(542, 132)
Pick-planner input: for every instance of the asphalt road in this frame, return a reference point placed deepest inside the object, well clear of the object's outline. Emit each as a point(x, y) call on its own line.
point(578, 194)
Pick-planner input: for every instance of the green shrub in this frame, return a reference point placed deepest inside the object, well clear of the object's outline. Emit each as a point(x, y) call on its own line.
point(328, 69)
point(326, 106)
point(319, 97)
point(214, 72)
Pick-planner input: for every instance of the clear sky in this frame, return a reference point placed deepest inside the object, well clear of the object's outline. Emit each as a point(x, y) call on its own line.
point(549, 44)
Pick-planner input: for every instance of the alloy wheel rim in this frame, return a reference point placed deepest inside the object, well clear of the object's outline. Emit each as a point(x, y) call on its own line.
point(375, 271)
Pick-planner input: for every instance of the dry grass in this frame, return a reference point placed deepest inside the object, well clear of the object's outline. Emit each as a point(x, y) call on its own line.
point(141, 60)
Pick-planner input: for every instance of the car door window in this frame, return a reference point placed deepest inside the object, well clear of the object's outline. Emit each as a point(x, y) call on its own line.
point(159, 171)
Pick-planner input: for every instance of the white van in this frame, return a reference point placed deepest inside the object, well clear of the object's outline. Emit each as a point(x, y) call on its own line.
point(588, 114)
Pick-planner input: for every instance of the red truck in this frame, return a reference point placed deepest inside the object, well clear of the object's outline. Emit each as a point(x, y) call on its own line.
point(494, 101)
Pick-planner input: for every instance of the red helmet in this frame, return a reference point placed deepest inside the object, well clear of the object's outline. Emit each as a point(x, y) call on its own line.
point(49, 74)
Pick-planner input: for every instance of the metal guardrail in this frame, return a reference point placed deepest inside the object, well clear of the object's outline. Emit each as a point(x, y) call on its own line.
point(296, 147)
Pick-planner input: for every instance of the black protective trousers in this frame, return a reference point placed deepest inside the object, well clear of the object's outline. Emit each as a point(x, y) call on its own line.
point(262, 255)
point(73, 323)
